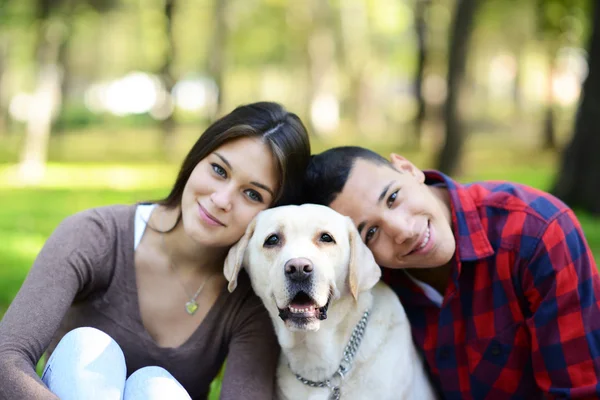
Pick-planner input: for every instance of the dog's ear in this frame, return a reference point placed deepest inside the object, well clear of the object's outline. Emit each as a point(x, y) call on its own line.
point(235, 257)
point(363, 271)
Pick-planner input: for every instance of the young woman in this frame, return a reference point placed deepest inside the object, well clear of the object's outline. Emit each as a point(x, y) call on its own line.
point(130, 300)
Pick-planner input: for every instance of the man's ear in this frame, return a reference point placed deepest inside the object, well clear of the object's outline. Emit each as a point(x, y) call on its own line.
point(403, 165)
point(235, 257)
point(363, 271)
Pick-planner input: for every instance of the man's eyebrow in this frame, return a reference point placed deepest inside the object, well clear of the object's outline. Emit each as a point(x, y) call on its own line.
point(361, 226)
point(257, 184)
point(384, 192)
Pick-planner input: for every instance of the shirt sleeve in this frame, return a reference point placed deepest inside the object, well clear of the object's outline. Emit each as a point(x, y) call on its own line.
point(252, 357)
point(562, 287)
point(63, 269)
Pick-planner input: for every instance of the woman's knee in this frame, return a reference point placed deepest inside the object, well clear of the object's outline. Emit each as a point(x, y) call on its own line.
point(86, 359)
point(87, 344)
point(154, 383)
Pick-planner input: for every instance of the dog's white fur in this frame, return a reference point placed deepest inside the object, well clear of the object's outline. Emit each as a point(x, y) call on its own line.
point(387, 365)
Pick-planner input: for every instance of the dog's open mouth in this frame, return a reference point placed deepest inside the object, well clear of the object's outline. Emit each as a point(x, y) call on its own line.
point(304, 307)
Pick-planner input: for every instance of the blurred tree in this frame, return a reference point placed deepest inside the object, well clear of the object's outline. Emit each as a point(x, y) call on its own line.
point(168, 80)
point(555, 31)
point(420, 25)
point(52, 19)
point(578, 182)
point(217, 51)
point(3, 96)
point(462, 26)
point(46, 98)
point(320, 58)
point(518, 17)
point(549, 26)
point(355, 54)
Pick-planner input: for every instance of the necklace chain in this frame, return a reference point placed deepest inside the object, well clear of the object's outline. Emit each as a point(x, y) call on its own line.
point(346, 363)
point(191, 306)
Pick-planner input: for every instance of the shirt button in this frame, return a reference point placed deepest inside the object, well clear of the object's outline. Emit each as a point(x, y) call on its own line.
point(495, 350)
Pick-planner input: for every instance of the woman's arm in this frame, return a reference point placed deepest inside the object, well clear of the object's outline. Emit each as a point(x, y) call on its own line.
point(63, 269)
point(252, 356)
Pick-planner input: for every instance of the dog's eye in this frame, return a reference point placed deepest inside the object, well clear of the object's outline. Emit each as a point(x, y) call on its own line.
point(327, 238)
point(272, 240)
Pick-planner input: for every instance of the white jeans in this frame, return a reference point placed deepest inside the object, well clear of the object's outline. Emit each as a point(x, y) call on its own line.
point(87, 364)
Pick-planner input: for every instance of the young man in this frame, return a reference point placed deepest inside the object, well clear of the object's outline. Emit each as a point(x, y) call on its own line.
point(496, 278)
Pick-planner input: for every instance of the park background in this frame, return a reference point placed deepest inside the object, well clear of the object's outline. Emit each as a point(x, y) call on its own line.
point(101, 99)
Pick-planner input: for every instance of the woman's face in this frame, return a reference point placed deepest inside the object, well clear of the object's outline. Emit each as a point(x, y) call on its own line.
point(226, 190)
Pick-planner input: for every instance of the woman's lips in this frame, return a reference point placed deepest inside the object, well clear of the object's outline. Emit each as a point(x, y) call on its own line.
point(208, 218)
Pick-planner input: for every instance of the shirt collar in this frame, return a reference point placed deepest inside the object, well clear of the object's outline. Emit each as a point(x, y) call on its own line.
point(471, 238)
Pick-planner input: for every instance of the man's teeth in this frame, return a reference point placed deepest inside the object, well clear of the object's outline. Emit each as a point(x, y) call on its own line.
point(426, 240)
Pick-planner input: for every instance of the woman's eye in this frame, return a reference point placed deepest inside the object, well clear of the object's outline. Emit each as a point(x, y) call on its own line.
point(327, 238)
point(369, 235)
point(254, 196)
point(272, 240)
point(392, 198)
point(219, 170)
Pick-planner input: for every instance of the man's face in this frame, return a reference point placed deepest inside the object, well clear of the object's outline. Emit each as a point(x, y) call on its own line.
point(404, 222)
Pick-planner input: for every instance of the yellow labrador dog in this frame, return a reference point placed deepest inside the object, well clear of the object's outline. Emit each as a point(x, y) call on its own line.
point(343, 334)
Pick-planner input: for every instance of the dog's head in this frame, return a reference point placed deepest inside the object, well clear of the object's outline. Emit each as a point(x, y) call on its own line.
point(299, 259)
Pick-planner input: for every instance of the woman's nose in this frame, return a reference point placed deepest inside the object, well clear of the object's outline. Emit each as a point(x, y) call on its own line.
point(222, 198)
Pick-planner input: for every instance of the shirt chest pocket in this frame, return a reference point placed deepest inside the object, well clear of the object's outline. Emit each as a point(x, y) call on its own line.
point(498, 364)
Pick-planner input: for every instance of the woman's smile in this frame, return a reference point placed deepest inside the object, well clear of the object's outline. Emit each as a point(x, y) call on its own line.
point(208, 218)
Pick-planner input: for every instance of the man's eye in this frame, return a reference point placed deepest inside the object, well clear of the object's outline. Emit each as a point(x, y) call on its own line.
point(369, 235)
point(392, 198)
point(272, 240)
point(219, 170)
point(327, 238)
point(254, 196)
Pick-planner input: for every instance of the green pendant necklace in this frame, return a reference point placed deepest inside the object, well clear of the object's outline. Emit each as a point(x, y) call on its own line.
point(192, 305)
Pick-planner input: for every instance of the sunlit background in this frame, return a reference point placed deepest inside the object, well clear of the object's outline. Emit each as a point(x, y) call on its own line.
point(354, 70)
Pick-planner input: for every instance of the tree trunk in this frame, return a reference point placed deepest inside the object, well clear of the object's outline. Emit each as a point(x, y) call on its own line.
point(578, 182)
point(462, 28)
point(421, 32)
point(3, 94)
point(216, 55)
point(549, 128)
point(165, 109)
point(517, 91)
point(46, 98)
point(320, 63)
point(356, 53)
point(66, 83)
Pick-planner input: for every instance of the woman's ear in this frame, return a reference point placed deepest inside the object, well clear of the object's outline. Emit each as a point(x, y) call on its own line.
point(235, 257)
point(403, 165)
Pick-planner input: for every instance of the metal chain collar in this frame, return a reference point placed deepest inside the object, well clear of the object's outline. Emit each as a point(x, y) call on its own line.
point(346, 363)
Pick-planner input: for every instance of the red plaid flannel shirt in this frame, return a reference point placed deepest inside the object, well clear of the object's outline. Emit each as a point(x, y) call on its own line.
point(520, 317)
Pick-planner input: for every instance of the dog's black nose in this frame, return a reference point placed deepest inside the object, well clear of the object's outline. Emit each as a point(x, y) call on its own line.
point(298, 269)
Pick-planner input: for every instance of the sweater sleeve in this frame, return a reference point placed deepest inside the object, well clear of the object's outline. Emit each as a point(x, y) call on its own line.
point(65, 268)
point(252, 356)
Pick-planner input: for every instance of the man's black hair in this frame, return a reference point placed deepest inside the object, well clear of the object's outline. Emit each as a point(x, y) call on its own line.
point(328, 172)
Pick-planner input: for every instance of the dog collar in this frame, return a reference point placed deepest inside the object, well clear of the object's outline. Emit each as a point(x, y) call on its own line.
point(335, 382)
